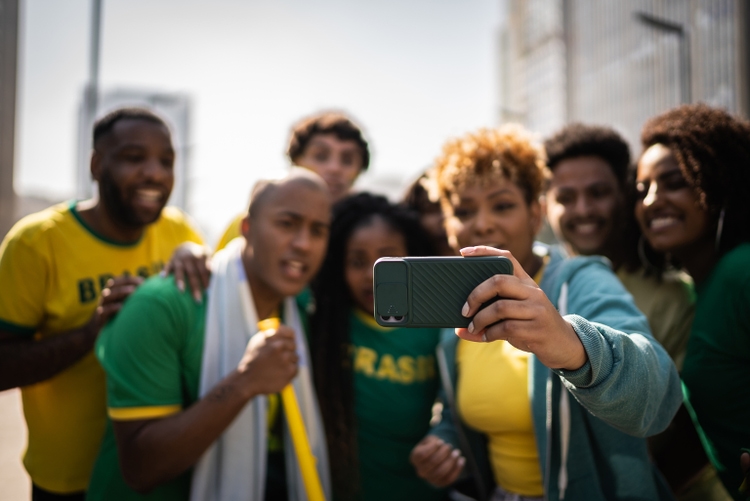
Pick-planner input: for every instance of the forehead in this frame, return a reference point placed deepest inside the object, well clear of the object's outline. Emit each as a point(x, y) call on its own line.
point(300, 199)
point(655, 160)
point(138, 131)
point(374, 230)
point(330, 140)
point(486, 188)
point(580, 172)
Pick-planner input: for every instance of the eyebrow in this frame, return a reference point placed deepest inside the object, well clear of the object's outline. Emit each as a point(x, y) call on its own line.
point(664, 175)
point(501, 191)
point(138, 146)
point(298, 216)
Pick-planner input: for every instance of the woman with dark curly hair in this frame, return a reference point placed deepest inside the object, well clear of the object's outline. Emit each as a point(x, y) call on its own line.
point(551, 389)
point(693, 179)
point(376, 385)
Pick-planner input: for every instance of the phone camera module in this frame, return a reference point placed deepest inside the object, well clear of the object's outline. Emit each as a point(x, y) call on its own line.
point(391, 319)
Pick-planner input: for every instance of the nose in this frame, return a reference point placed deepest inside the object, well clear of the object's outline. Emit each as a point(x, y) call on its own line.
point(155, 171)
point(483, 222)
point(302, 240)
point(582, 206)
point(651, 196)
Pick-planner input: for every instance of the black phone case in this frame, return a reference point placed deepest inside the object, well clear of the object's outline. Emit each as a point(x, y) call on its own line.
point(429, 291)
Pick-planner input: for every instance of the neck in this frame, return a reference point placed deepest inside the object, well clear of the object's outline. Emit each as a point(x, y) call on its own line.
point(699, 260)
point(99, 219)
point(532, 264)
point(267, 300)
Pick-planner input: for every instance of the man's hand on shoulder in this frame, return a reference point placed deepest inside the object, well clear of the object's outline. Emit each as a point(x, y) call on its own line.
point(190, 261)
point(111, 300)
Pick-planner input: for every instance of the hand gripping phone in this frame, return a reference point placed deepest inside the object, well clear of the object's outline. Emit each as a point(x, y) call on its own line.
point(430, 291)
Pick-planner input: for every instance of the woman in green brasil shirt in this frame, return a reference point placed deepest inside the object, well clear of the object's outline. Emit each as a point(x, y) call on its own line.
point(693, 182)
point(376, 386)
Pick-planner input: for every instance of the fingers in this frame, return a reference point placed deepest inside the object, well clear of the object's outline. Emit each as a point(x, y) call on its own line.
point(483, 250)
point(503, 310)
point(190, 262)
point(437, 462)
point(112, 297)
point(198, 275)
point(504, 286)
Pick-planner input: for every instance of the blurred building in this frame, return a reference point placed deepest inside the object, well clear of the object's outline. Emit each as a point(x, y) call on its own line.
point(619, 63)
point(174, 108)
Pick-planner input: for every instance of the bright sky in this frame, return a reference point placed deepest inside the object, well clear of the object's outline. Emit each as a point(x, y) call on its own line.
point(413, 73)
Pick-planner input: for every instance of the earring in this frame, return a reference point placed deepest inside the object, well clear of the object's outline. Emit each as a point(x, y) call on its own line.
point(719, 229)
point(647, 264)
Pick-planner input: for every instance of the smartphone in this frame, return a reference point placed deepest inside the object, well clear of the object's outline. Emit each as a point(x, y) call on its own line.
point(430, 291)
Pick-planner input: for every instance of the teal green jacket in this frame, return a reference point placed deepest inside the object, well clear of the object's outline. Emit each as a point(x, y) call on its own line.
point(590, 423)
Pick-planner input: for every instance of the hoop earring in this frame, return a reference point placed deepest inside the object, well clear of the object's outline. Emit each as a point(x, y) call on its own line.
point(719, 229)
point(647, 264)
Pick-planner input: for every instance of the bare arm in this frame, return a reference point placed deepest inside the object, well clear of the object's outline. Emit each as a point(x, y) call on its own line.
point(155, 451)
point(25, 361)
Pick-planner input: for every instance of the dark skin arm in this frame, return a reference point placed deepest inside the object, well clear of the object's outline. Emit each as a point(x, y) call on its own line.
point(190, 261)
point(25, 361)
point(154, 451)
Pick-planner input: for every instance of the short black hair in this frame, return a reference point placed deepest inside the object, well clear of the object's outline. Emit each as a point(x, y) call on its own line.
point(327, 122)
point(105, 124)
point(579, 140)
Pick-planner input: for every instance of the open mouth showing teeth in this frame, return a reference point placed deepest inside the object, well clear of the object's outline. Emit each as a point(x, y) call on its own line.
point(585, 227)
point(294, 269)
point(152, 196)
point(661, 222)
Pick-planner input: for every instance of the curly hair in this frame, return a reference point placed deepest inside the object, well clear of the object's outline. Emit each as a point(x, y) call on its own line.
point(712, 149)
point(327, 122)
point(578, 140)
point(329, 326)
point(480, 157)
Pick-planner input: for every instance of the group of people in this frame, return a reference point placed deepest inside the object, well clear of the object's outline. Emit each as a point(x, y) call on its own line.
point(613, 366)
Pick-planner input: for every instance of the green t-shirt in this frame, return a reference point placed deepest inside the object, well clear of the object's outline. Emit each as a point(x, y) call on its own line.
point(395, 385)
point(152, 354)
point(716, 371)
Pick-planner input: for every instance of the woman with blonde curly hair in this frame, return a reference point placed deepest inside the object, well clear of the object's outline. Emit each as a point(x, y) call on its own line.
point(563, 327)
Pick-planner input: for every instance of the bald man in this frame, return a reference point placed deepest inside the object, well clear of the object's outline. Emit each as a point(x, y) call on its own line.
point(188, 382)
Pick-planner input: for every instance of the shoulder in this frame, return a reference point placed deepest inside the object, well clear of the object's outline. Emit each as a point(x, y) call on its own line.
point(733, 267)
point(159, 290)
point(40, 225)
point(173, 217)
point(157, 310)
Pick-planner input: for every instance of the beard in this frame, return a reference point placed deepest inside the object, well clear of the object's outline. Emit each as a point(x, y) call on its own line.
point(118, 209)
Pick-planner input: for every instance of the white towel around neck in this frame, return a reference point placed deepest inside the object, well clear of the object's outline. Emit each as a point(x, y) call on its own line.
point(234, 467)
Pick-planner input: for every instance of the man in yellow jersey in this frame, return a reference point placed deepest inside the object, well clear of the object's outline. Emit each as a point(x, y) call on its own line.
point(65, 271)
point(188, 383)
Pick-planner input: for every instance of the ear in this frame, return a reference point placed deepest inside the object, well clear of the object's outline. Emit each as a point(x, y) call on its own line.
point(536, 210)
point(245, 227)
point(96, 165)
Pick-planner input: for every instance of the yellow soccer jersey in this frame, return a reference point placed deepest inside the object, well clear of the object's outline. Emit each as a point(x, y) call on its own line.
point(233, 231)
point(56, 267)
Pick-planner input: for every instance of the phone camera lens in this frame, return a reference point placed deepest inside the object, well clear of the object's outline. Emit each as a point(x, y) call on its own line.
point(398, 319)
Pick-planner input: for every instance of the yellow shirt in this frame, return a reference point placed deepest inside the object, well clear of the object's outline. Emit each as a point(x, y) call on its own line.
point(233, 231)
point(492, 396)
point(56, 267)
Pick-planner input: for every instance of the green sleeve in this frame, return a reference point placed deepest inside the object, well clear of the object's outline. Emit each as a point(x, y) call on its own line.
point(141, 350)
